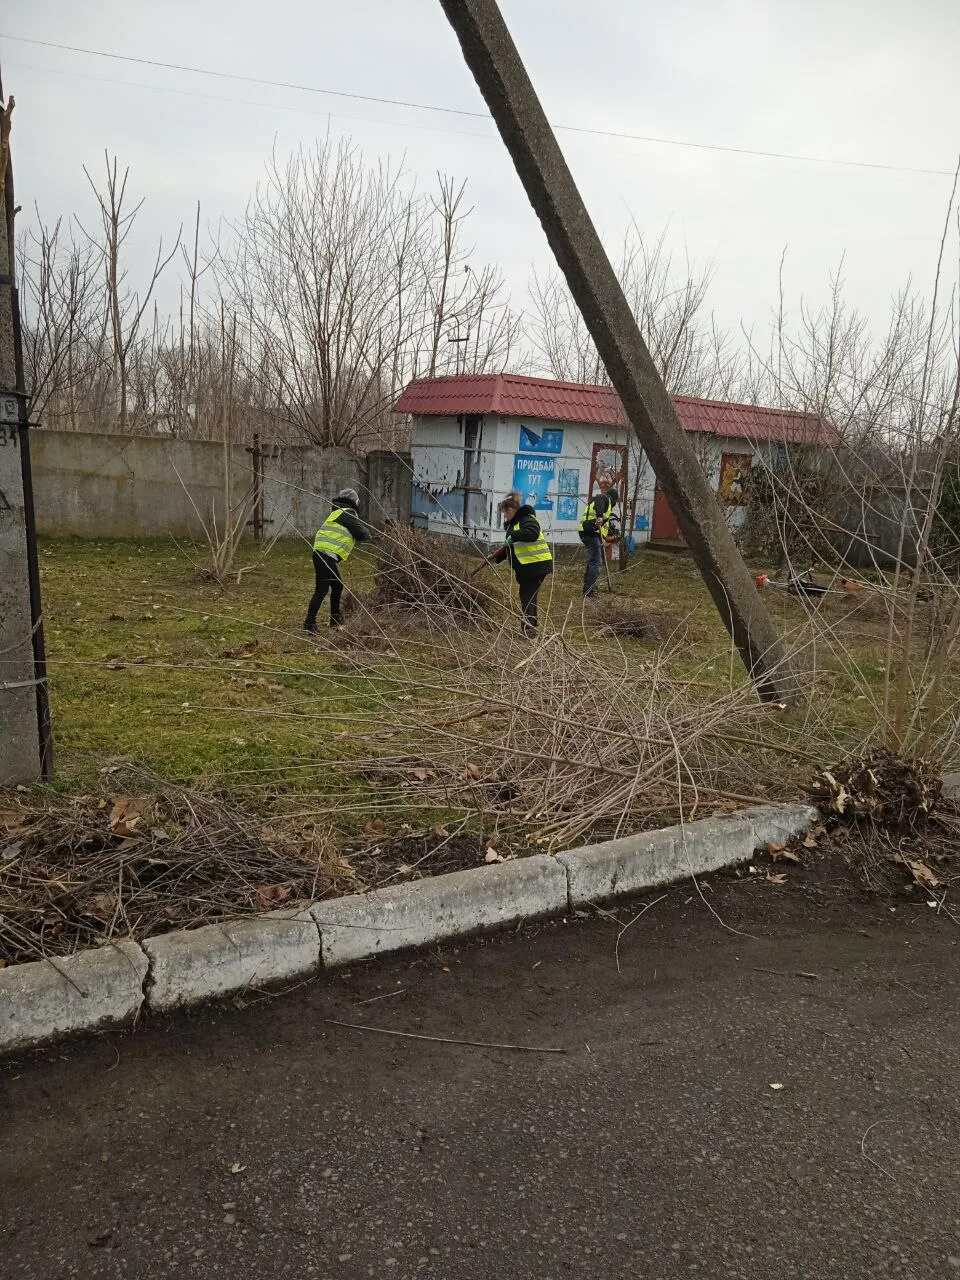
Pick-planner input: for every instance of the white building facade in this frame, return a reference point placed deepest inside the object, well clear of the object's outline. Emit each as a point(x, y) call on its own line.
point(467, 453)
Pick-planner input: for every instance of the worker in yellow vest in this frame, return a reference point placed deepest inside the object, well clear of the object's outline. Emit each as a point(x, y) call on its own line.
point(596, 531)
point(335, 540)
point(529, 553)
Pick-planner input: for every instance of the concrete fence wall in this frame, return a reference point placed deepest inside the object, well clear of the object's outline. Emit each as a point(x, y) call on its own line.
point(874, 530)
point(113, 486)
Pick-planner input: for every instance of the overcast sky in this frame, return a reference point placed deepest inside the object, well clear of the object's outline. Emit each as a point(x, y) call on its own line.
point(874, 81)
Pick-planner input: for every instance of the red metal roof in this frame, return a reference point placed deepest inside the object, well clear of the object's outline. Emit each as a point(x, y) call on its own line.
point(513, 396)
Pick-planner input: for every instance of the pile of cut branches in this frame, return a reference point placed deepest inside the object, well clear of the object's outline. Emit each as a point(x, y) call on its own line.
point(633, 621)
point(419, 573)
point(136, 862)
point(565, 739)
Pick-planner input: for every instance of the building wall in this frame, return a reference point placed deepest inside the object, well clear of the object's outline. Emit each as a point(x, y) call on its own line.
point(439, 469)
point(550, 459)
point(112, 486)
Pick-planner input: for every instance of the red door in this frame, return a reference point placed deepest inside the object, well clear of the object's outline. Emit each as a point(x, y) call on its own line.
point(665, 527)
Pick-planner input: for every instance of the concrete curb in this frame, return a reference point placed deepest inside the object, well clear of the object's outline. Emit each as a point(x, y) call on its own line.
point(951, 786)
point(48, 1000)
point(615, 868)
point(192, 965)
point(450, 906)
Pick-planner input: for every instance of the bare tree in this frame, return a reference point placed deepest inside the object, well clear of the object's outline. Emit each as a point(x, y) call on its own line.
point(347, 283)
point(692, 354)
point(871, 509)
point(62, 304)
point(125, 307)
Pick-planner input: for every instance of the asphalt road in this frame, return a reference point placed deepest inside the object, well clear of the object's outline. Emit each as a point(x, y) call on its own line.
point(716, 1112)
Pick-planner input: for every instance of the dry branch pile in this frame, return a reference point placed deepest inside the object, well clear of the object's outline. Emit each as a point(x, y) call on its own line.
point(419, 573)
point(631, 621)
point(567, 738)
point(133, 865)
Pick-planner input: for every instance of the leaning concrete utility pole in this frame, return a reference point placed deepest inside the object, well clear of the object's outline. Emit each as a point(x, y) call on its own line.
point(502, 78)
point(24, 714)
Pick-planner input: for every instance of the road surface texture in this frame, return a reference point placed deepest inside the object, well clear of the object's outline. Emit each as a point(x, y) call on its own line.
point(727, 1106)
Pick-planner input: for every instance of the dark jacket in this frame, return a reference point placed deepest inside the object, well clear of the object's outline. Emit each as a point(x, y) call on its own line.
point(524, 527)
point(350, 519)
point(602, 503)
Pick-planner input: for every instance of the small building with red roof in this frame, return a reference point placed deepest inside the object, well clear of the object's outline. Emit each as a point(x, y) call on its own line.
point(476, 436)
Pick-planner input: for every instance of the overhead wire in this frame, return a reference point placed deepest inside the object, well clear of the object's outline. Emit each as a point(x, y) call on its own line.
point(409, 104)
point(247, 102)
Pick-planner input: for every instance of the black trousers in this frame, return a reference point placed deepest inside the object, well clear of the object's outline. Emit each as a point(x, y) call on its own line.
point(327, 569)
point(528, 601)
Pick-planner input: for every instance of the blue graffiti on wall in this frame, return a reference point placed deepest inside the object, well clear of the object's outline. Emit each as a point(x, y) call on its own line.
point(548, 441)
point(569, 487)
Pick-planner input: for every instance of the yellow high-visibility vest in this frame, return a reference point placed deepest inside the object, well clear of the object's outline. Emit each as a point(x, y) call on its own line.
point(332, 538)
point(590, 516)
point(533, 552)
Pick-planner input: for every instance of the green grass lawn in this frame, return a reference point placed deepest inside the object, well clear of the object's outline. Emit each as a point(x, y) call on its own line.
point(148, 662)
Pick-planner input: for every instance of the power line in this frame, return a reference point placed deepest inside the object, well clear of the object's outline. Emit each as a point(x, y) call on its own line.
point(480, 115)
point(247, 102)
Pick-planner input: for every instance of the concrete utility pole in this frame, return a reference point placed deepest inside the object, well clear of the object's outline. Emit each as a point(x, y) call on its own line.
point(502, 78)
point(24, 721)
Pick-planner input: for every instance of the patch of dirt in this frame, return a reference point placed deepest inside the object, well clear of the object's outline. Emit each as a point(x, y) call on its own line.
point(857, 861)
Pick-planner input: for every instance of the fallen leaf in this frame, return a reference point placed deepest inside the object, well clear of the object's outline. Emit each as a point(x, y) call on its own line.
point(810, 841)
point(101, 906)
point(922, 873)
point(472, 771)
point(784, 855)
point(374, 826)
point(270, 894)
point(404, 869)
point(776, 878)
point(422, 774)
point(776, 1085)
point(491, 855)
point(775, 846)
point(12, 851)
point(237, 1168)
point(126, 813)
point(440, 832)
